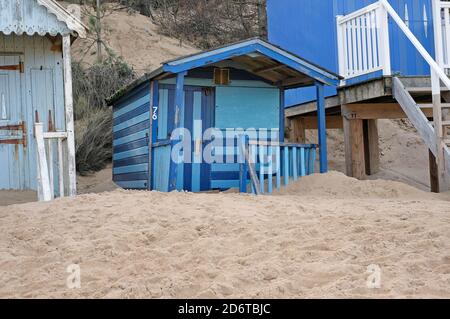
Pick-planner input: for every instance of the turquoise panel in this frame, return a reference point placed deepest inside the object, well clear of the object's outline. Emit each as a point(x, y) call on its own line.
point(240, 107)
point(163, 113)
point(161, 168)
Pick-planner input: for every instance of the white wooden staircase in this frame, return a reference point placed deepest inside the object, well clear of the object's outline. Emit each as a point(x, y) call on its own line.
point(431, 119)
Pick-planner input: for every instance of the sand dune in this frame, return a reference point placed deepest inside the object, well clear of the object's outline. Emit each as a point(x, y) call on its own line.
point(316, 243)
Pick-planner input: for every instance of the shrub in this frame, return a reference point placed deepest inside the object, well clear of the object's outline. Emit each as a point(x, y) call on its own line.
point(93, 118)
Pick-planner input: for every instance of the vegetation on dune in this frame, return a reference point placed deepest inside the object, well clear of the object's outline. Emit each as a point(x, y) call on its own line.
point(93, 118)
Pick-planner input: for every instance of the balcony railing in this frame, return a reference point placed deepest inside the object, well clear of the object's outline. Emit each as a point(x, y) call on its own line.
point(363, 42)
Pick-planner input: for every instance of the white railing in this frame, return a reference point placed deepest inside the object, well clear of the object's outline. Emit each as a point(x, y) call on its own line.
point(444, 8)
point(363, 42)
point(45, 165)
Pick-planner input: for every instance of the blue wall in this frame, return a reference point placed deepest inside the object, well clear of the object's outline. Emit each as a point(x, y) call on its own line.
point(131, 139)
point(308, 28)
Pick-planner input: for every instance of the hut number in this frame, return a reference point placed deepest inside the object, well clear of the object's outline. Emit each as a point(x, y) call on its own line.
point(155, 113)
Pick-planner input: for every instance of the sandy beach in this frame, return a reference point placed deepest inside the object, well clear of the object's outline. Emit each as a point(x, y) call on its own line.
point(310, 241)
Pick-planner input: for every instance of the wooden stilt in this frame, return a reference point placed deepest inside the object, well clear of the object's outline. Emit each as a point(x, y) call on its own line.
point(434, 173)
point(354, 148)
point(298, 131)
point(371, 147)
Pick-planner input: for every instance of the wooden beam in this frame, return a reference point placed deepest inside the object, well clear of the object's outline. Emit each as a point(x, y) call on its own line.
point(371, 147)
point(298, 130)
point(311, 107)
point(354, 148)
point(268, 69)
point(415, 115)
point(375, 111)
point(68, 100)
point(310, 122)
point(434, 173)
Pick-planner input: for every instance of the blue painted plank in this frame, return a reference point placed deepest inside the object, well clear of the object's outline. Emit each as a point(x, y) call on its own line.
point(132, 114)
point(132, 153)
point(131, 122)
point(144, 125)
point(197, 134)
point(131, 106)
point(278, 167)
point(322, 128)
point(302, 162)
point(130, 138)
point(270, 170)
point(179, 109)
point(137, 176)
point(216, 184)
point(225, 167)
point(294, 163)
point(261, 169)
point(286, 166)
point(130, 146)
point(130, 169)
point(132, 184)
point(131, 161)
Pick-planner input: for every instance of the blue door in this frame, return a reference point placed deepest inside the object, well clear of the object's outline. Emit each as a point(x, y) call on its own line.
point(198, 117)
point(12, 145)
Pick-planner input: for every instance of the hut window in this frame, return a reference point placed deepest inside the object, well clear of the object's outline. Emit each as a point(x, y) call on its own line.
point(222, 76)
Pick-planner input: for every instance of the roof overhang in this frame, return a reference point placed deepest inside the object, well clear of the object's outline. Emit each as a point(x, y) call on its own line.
point(267, 61)
point(72, 22)
point(263, 59)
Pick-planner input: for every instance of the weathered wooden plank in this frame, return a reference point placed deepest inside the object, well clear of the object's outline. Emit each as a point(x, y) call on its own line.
point(415, 115)
point(374, 111)
point(68, 94)
point(354, 148)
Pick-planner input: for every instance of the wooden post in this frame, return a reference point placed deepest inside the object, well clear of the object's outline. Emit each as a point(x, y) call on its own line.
point(298, 130)
point(69, 116)
point(282, 114)
point(320, 90)
point(371, 147)
point(354, 148)
point(434, 173)
point(45, 194)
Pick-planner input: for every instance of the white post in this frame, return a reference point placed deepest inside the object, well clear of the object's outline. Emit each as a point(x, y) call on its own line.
point(43, 173)
point(50, 168)
point(60, 168)
point(69, 116)
point(383, 36)
point(341, 39)
point(436, 94)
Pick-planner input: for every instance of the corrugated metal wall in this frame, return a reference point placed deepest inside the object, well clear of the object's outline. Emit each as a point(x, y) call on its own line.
point(308, 28)
point(131, 139)
point(41, 89)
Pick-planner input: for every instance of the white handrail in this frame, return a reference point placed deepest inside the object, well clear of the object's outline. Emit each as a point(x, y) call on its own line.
point(423, 52)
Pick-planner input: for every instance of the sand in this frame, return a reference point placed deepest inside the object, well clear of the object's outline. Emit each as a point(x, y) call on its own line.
point(316, 243)
point(136, 39)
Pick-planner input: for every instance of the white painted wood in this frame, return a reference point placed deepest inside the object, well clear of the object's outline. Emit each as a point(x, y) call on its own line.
point(43, 171)
point(68, 94)
point(51, 172)
point(342, 52)
point(60, 167)
point(363, 42)
point(383, 36)
point(55, 135)
point(414, 113)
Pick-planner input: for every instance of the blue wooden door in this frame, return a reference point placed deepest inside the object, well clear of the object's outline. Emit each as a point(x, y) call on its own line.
point(11, 151)
point(199, 117)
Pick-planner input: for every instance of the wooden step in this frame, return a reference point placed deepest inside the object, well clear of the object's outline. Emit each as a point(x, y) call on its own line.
point(430, 105)
point(445, 123)
point(447, 142)
point(413, 89)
